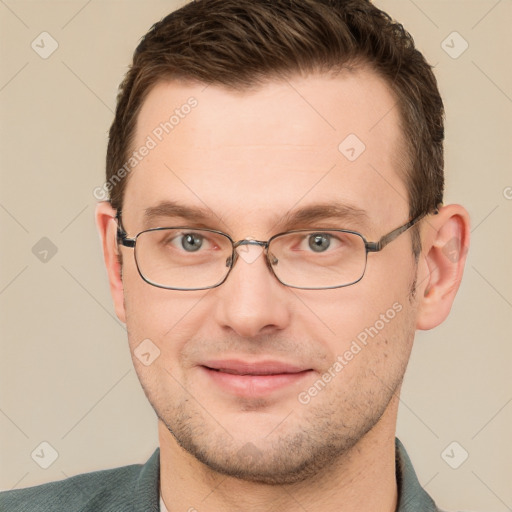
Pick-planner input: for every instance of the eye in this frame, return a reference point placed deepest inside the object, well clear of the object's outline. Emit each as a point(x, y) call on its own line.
point(191, 242)
point(319, 242)
point(314, 242)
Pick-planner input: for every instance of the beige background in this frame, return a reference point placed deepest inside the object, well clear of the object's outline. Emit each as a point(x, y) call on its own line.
point(65, 372)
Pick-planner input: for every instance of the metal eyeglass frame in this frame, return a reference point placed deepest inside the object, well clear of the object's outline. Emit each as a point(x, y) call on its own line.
point(122, 237)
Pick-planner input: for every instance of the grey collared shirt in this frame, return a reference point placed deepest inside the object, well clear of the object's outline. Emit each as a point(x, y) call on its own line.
point(411, 496)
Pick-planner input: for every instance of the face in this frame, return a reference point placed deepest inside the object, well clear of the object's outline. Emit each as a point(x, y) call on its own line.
point(255, 379)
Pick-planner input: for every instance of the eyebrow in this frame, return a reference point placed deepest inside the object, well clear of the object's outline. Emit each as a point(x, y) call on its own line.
point(294, 219)
point(321, 212)
point(174, 209)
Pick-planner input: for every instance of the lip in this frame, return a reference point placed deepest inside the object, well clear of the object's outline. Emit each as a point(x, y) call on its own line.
point(253, 379)
point(266, 367)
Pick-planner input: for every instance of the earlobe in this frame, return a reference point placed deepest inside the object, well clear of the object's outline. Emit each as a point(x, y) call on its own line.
point(107, 230)
point(445, 243)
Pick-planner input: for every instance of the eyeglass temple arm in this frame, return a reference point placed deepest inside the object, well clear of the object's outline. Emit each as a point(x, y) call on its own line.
point(122, 235)
point(386, 239)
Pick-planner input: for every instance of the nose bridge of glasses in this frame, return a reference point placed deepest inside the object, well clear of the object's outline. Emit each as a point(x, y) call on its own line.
point(243, 249)
point(250, 241)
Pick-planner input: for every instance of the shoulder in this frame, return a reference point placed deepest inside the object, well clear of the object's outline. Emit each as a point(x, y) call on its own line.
point(106, 491)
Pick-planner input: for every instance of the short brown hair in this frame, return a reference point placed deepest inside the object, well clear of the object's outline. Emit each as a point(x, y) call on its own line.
point(242, 43)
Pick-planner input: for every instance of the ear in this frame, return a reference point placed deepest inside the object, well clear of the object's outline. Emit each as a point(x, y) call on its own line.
point(445, 243)
point(107, 229)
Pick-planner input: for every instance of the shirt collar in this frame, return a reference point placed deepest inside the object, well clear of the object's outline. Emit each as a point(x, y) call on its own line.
point(411, 496)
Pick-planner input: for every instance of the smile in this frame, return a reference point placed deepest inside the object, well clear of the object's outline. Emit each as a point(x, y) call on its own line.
point(246, 379)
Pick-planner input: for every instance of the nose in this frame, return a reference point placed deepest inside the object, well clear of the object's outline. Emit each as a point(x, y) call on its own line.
point(252, 301)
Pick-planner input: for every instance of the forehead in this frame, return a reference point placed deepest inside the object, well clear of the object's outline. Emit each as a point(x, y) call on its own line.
point(258, 154)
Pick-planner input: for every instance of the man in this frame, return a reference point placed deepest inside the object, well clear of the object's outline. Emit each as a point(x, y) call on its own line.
point(275, 236)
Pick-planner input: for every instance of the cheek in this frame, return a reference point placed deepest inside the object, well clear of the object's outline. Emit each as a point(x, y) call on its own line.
point(348, 311)
point(371, 322)
point(374, 354)
point(154, 340)
point(167, 318)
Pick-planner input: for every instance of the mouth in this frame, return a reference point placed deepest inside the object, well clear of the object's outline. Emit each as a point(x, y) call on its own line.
point(253, 379)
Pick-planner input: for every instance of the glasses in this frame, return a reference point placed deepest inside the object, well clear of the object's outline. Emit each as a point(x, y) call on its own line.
point(186, 258)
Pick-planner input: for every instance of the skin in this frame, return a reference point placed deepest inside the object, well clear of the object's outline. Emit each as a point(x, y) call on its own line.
point(250, 158)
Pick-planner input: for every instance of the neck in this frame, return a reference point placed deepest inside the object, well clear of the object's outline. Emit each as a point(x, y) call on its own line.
point(361, 480)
